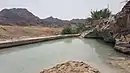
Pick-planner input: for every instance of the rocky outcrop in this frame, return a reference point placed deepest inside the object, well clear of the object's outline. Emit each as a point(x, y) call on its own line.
point(90, 33)
point(122, 46)
point(71, 67)
point(115, 29)
point(102, 29)
point(122, 28)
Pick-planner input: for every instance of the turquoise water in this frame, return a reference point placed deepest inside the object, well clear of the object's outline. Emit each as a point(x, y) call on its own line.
point(35, 57)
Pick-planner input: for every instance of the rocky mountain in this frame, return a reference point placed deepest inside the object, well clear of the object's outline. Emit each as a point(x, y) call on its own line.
point(51, 21)
point(79, 21)
point(18, 16)
point(21, 16)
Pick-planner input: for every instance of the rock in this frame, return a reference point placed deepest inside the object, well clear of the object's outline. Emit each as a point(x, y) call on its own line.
point(114, 29)
point(91, 34)
point(71, 67)
point(122, 27)
point(102, 29)
point(122, 49)
point(122, 46)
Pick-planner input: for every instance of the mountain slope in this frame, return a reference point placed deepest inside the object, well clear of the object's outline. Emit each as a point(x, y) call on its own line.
point(18, 16)
point(22, 17)
point(79, 21)
point(50, 21)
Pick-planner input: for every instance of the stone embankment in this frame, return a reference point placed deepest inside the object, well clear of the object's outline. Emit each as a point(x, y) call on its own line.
point(71, 67)
point(17, 42)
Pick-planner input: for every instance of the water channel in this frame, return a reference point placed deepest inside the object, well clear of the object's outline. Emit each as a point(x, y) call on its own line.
point(35, 57)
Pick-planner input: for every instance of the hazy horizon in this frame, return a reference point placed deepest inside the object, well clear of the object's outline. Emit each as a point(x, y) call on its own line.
point(63, 9)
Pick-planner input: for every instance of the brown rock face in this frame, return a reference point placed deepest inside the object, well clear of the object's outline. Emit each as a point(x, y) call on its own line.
point(122, 27)
point(115, 29)
point(71, 67)
point(123, 19)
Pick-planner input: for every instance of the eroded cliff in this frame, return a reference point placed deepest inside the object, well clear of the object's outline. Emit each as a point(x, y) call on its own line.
point(114, 29)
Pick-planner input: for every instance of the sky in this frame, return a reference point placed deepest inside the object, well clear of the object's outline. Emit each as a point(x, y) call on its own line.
point(63, 9)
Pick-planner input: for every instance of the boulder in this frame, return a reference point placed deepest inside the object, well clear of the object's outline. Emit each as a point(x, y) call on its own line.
point(102, 29)
point(122, 46)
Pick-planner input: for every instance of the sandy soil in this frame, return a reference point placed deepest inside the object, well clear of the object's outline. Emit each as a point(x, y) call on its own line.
point(17, 32)
point(71, 67)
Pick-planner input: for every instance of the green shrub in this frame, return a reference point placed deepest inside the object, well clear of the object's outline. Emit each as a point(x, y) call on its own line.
point(69, 30)
point(104, 13)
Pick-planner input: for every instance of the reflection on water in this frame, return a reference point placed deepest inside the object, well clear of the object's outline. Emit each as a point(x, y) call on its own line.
point(34, 57)
point(102, 48)
point(68, 40)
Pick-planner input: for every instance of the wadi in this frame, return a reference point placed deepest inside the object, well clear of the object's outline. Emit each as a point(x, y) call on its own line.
point(99, 43)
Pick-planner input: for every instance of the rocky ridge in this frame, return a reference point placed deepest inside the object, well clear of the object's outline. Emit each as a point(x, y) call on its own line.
point(23, 17)
point(54, 22)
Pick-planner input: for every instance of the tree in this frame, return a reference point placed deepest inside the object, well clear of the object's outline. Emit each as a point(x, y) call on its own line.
point(104, 13)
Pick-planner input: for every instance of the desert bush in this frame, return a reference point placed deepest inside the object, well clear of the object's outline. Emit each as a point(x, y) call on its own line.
point(98, 14)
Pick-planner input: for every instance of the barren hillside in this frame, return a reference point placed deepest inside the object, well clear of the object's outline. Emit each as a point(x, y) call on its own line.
point(17, 32)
